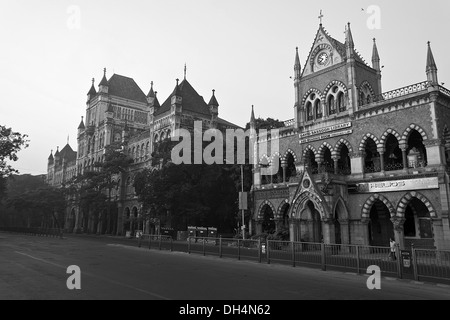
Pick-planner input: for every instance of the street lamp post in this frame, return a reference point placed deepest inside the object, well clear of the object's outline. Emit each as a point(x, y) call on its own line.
point(242, 202)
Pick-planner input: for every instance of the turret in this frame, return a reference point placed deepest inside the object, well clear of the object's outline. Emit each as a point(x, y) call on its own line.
point(103, 85)
point(176, 99)
point(213, 108)
point(297, 76)
point(50, 158)
point(92, 92)
point(376, 64)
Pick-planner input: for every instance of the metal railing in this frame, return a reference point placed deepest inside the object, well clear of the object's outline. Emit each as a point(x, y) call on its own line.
point(43, 232)
point(424, 264)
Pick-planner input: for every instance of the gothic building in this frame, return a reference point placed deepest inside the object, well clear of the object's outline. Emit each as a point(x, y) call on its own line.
point(356, 165)
point(121, 112)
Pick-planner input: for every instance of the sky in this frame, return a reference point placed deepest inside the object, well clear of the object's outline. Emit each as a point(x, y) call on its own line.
point(244, 49)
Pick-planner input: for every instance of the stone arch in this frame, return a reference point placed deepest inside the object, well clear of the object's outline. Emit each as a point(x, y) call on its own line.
point(279, 214)
point(404, 201)
point(365, 214)
point(276, 154)
point(292, 153)
point(366, 84)
point(312, 90)
point(264, 158)
point(408, 130)
point(300, 202)
point(260, 215)
point(332, 84)
point(340, 204)
point(338, 147)
point(322, 149)
point(386, 134)
point(309, 147)
point(362, 144)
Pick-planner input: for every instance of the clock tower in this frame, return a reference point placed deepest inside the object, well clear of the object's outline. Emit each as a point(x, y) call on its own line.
point(334, 82)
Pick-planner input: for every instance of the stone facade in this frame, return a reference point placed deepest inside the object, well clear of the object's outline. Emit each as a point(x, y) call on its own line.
point(355, 165)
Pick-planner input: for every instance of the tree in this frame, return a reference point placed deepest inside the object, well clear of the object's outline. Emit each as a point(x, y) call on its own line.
point(266, 124)
point(10, 144)
point(93, 188)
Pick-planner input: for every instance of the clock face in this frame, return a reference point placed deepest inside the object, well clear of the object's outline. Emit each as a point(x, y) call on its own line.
point(322, 58)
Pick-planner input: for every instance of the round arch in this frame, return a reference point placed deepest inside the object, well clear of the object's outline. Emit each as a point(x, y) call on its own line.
point(406, 199)
point(332, 84)
point(365, 214)
point(312, 90)
point(309, 147)
point(341, 209)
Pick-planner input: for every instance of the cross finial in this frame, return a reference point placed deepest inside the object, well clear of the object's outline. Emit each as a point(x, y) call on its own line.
point(67, 139)
point(185, 71)
point(320, 17)
point(93, 80)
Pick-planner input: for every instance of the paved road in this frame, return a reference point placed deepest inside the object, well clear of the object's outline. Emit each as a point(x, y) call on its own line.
point(35, 268)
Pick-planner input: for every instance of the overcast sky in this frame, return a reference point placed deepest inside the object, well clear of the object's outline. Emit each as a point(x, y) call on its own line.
point(244, 49)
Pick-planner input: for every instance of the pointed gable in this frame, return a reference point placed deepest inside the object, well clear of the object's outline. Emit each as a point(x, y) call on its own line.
point(333, 51)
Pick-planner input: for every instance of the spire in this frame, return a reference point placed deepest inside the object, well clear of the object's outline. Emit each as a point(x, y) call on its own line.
point(375, 56)
point(81, 126)
point(349, 38)
point(104, 82)
point(151, 94)
point(213, 101)
point(431, 64)
point(92, 91)
point(57, 152)
point(50, 157)
point(252, 117)
point(431, 67)
point(156, 102)
point(297, 66)
point(184, 71)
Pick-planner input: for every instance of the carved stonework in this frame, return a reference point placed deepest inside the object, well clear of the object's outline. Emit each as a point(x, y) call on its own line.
point(354, 155)
point(434, 142)
point(272, 194)
point(398, 223)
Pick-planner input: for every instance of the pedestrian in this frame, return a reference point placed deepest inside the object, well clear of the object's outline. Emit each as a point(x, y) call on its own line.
point(392, 251)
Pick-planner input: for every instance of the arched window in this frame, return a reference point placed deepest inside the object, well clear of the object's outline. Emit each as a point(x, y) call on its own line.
point(372, 157)
point(331, 105)
point(393, 157)
point(309, 114)
point(341, 102)
point(344, 165)
point(416, 151)
point(317, 109)
point(310, 161)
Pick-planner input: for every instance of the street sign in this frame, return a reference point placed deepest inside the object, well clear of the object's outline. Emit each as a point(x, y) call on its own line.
point(242, 200)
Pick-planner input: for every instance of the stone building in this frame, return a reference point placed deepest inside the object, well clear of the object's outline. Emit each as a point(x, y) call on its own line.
point(121, 112)
point(356, 165)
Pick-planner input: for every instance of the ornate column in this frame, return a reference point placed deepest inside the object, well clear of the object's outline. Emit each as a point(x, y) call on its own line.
point(336, 165)
point(404, 158)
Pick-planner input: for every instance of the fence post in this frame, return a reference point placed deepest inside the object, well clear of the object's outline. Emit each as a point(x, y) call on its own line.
point(259, 250)
point(239, 249)
point(139, 241)
point(358, 263)
point(293, 253)
point(149, 241)
point(399, 262)
point(322, 248)
point(220, 247)
point(414, 262)
point(204, 252)
point(189, 245)
point(268, 251)
point(171, 244)
point(160, 239)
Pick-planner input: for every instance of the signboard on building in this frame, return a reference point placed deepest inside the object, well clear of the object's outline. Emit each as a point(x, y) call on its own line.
point(325, 130)
point(398, 185)
point(326, 136)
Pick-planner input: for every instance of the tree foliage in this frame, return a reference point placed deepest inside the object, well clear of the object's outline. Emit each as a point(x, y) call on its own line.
point(266, 124)
point(11, 143)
